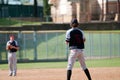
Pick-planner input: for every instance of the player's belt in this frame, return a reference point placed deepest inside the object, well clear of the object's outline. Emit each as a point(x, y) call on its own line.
point(75, 47)
point(12, 51)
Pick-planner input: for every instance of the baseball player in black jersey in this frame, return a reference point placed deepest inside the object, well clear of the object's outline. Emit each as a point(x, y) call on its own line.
point(75, 39)
point(12, 47)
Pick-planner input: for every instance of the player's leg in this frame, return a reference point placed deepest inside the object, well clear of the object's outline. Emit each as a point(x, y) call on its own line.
point(14, 64)
point(83, 65)
point(69, 73)
point(10, 64)
point(71, 61)
point(87, 74)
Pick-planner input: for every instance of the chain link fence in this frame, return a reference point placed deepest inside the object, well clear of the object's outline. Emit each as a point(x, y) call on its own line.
point(50, 45)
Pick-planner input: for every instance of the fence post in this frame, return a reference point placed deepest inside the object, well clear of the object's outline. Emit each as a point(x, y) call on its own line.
point(67, 51)
point(35, 46)
point(91, 43)
point(6, 50)
point(101, 45)
point(110, 44)
point(46, 39)
point(57, 46)
point(19, 43)
point(119, 46)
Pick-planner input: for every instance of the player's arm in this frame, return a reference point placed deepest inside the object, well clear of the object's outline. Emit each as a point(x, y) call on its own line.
point(67, 37)
point(14, 47)
point(7, 46)
point(84, 39)
point(17, 48)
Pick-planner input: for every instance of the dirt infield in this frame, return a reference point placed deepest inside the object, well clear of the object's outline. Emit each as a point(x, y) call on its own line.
point(60, 74)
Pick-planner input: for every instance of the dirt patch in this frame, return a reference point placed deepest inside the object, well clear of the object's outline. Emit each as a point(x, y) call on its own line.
point(60, 74)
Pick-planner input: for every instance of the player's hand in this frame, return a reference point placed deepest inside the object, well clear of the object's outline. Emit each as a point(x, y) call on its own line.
point(84, 40)
point(12, 47)
point(67, 43)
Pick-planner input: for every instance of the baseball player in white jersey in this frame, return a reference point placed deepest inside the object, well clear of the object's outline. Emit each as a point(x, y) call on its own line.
point(12, 47)
point(75, 39)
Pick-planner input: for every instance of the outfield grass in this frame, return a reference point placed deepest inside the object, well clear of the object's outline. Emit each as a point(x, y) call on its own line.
point(113, 62)
point(11, 22)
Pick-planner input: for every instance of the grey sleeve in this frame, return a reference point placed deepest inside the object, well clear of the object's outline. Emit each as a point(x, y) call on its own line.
point(67, 36)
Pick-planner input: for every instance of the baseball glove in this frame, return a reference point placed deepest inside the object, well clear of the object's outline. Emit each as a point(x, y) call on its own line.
point(12, 48)
point(9, 47)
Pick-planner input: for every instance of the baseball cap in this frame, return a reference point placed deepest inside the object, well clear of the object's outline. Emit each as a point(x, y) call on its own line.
point(74, 21)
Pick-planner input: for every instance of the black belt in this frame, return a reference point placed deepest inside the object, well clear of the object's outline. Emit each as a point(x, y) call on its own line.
point(11, 52)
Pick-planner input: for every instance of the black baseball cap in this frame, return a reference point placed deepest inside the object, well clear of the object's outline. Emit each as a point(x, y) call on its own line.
point(74, 21)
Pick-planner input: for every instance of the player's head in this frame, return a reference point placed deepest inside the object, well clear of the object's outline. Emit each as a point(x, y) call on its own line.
point(74, 22)
point(12, 37)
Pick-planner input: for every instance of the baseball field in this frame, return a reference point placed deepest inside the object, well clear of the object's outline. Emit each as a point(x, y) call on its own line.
point(100, 69)
point(103, 46)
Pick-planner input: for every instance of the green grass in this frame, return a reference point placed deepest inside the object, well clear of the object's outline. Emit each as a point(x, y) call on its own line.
point(113, 62)
point(6, 21)
point(12, 22)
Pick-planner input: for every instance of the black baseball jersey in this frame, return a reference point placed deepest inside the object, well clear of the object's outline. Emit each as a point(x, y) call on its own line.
point(75, 38)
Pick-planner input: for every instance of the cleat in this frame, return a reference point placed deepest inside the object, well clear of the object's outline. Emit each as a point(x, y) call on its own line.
point(10, 74)
point(14, 74)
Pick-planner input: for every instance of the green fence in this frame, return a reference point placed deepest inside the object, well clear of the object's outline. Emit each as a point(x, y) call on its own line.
point(103, 44)
point(19, 11)
point(49, 45)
